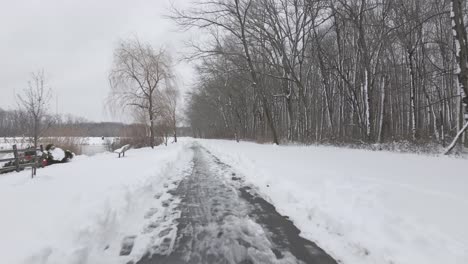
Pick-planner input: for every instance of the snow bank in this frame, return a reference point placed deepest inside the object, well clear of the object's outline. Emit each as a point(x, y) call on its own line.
point(363, 206)
point(79, 212)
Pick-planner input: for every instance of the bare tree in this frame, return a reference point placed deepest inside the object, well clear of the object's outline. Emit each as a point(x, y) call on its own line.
point(168, 110)
point(335, 71)
point(34, 102)
point(461, 46)
point(233, 17)
point(138, 74)
point(166, 121)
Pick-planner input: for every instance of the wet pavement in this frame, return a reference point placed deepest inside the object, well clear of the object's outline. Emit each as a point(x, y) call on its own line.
point(223, 220)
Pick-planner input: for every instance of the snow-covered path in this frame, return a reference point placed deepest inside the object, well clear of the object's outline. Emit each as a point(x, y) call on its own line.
point(362, 206)
point(224, 221)
point(79, 212)
point(212, 201)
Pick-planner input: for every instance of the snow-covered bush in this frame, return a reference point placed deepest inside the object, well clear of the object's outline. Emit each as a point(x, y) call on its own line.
point(56, 155)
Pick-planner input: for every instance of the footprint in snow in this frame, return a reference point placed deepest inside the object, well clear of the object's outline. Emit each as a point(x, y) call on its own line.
point(151, 212)
point(127, 245)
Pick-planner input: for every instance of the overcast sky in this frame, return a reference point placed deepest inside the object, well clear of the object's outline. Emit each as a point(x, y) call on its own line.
point(73, 42)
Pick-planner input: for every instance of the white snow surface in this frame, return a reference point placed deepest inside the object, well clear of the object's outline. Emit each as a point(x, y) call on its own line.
point(122, 149)
point(58, 154)
point(362, 206)
point(80, 212)
point(98, 140)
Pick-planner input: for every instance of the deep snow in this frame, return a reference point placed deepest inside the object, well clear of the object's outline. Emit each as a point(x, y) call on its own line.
point(363, 206)
point(79, 212)
point(360, 206)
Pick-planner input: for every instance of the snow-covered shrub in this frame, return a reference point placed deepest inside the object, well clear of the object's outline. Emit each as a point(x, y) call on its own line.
point(57, 155)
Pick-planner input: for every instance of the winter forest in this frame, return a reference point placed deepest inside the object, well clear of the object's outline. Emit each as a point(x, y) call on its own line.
point(329, 71)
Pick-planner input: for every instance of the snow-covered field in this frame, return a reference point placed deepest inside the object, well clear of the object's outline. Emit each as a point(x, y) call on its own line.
point(89, 145)
point(80, 211)
point(363, 206)
point(8, 141)
point(360, 206)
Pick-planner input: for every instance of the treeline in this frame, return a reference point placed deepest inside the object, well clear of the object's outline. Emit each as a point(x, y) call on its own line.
point(323, 70)
point(14, 123)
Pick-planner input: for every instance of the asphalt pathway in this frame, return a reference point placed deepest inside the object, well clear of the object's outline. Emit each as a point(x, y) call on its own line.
point(223, 220)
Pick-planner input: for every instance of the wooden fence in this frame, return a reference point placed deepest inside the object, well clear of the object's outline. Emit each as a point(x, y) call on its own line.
point(22, 158)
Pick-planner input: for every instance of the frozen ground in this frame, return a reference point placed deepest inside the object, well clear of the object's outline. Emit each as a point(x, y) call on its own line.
point(89, 145)
point(363, 206)
point(153, 206)
point(359, 206)
point(79, 212)
point(8, 141)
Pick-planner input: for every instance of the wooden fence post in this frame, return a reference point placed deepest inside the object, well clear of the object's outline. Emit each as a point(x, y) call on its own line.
point(42, 154)
point(15, 153)
point(34, 166)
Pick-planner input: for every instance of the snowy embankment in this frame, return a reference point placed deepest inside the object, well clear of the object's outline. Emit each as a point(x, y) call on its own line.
point(363, 206)
point(79, 212)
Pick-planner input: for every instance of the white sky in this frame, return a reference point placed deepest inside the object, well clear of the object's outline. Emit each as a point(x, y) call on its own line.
point(73, 42)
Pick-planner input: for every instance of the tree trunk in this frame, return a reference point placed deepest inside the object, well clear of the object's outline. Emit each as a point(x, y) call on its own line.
point(460, 38)
point(457, 137)
point(151, 116)
point(412, 94)
point(382, 110)
point(367, 104)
